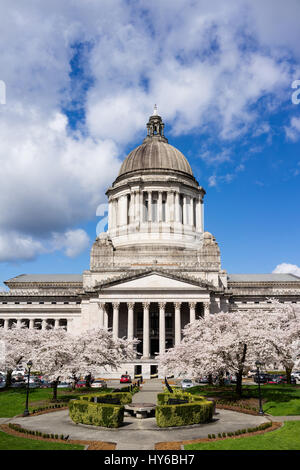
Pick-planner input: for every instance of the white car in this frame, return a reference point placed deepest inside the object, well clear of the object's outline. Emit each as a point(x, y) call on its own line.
point(187, 383)
point(99, 384)
point(296, 374)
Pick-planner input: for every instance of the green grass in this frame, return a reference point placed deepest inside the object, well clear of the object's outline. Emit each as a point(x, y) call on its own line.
point(279, 400)
point(285, 438)
point(8, 442)
point(12, 401)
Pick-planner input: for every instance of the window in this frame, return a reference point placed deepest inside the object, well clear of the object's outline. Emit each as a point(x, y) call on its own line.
point(181, 208)
point(163, 210)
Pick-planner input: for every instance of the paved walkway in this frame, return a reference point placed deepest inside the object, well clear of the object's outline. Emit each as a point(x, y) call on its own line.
point(138, 434)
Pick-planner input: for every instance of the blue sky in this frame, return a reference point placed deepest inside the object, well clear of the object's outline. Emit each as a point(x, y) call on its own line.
point(81, 81)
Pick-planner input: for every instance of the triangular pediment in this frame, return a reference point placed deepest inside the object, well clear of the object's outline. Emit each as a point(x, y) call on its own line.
point(154, 280)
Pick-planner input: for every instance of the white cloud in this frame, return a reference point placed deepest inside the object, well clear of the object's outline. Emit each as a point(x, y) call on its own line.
point(287, 268)
point(293, 130)
point(73, 242)
point(189, 57)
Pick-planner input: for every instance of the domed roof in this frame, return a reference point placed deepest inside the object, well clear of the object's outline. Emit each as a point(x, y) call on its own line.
point(155, 153)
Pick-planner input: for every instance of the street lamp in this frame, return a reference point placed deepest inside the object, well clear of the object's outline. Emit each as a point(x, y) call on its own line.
point(258, 364)
point(26, 411)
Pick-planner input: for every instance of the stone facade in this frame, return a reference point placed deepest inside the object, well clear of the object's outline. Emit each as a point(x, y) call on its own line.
point(152, 272)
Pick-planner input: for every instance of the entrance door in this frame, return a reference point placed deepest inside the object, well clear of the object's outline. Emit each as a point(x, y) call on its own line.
point(153, 371)
point(154, 346)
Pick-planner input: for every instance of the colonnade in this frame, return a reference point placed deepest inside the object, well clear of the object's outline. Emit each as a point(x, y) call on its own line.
point(103, 321)
point(155, 205)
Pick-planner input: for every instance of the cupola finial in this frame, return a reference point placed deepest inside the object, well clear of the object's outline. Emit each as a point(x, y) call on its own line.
point(155, 126)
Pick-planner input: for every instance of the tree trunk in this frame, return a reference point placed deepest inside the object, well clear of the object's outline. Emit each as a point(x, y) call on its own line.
point(55, 383)
point(210, 379)
point(288, 371)
point(239, 375)
point(239, 378)
point(8, 379)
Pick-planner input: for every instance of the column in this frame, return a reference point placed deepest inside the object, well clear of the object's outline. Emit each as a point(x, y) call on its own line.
point(177, 323)
point(149, 206)
point(171, 204)
point(184, 209)
point(115, 203)
point(202, 214)
point(146, 331)
point(191, 215)
point(130, 307)
point(110, 216)
point(192, 306)
point(198, 215)
point(44, 323)
point(105, 316)
point(56, 323)
point(162, 327)
point(6, 324)
point(177, 207)
point(31, 323)
point(206, 309)
point(159, 211)
point(141, 207)
point(116, 319)
point(101, 307)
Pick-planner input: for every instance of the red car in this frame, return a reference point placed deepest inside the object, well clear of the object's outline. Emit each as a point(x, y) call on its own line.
point(125, 379)
point(80, 384)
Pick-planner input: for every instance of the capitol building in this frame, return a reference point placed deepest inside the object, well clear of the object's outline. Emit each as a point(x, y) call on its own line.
point(154, 270)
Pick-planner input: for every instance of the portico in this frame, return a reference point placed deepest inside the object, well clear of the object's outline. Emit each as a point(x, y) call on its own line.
point(152, 307)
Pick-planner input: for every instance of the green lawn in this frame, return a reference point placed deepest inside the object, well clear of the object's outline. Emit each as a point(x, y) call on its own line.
point(285, 438)
point(279, 400)
point(8, 442)
point(12, 401)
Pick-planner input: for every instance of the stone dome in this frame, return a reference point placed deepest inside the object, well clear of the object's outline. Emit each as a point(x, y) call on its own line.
point(155, 154)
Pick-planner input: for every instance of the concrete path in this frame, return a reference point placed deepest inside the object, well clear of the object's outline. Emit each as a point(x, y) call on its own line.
point(280, 419)
point(148, 392)
point(137, 434)
point(142, 434)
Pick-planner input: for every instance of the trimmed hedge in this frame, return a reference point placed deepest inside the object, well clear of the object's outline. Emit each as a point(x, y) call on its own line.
point(121, 398)
point(106, 414)
point(97, 414)
point(198, 410)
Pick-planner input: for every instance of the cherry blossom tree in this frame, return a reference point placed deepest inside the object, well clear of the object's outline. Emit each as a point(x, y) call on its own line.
point(65, 355)
point(231, 342)
point(18, 346)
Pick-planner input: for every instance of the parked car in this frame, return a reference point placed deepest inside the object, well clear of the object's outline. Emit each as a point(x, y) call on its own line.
point(18, 384)
point(283, 380)
point(187, 383)
point(202, 380)
point(46, 384)
point(233, 379)
point(80, 384)
point(273, 379)
point(263, 378)
point(99, 384)
point(125, 379)
point(64, 385)
point(251, 373)
point(296, 374)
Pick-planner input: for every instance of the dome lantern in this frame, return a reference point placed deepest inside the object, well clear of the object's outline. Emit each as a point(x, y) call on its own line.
point(155, 127)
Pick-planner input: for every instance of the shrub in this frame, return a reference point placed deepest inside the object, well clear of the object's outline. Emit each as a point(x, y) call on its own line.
point(97, 414)
point(121, 398)
point(184, 414)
